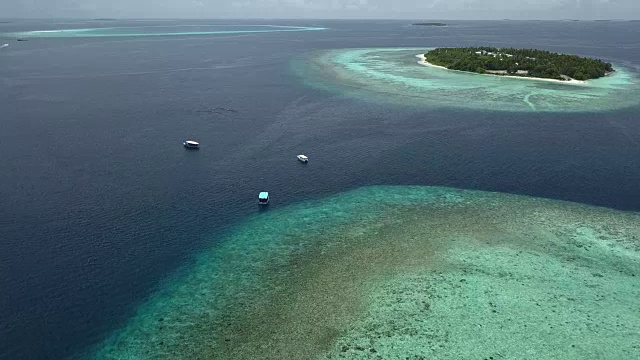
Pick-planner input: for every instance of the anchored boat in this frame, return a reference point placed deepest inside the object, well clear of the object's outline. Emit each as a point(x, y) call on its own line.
point(303, 158)
point(190, 144)
point(263, 198)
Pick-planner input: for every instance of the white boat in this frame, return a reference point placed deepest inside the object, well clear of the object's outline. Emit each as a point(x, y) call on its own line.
point(303, 158)
point(190, 144)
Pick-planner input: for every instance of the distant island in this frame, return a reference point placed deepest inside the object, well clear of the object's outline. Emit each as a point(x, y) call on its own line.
point(429, 24)
point(519, 62)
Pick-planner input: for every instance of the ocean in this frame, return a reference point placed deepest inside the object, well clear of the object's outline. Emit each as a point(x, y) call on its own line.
point(100, 204)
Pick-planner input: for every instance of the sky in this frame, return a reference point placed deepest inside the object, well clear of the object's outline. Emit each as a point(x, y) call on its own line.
point(339, 9)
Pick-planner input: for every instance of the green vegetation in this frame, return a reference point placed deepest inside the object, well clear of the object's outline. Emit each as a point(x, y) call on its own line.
point(519, 62)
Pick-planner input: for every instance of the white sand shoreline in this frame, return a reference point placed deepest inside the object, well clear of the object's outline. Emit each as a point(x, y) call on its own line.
point(423, 61)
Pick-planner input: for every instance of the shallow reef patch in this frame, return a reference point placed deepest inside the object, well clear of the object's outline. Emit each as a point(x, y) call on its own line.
point(393, 75)
point(395, 272)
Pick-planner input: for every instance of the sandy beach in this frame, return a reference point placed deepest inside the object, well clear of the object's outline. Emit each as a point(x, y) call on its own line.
point(423, 61)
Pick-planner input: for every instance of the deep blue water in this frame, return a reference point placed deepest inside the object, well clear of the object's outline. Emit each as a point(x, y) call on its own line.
point(99, 201)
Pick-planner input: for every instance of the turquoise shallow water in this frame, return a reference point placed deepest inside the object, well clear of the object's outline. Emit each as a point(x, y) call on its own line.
point(156, 30)
point(404, 271)
point(89, 239)
point(393, 75)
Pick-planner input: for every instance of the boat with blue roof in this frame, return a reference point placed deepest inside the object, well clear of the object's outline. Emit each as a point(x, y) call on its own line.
point(263, 198)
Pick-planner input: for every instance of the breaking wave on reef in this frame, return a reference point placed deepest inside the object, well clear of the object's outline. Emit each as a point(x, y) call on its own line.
point(160, 30)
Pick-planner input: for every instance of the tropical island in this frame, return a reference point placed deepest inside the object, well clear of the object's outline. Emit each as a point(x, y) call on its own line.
point(429, 24)
point(529, 63)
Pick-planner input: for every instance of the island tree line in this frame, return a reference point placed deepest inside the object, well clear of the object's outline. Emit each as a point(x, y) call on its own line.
point(523, 62)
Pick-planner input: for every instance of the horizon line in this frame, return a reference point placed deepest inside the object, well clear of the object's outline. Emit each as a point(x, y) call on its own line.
point(109, 18)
